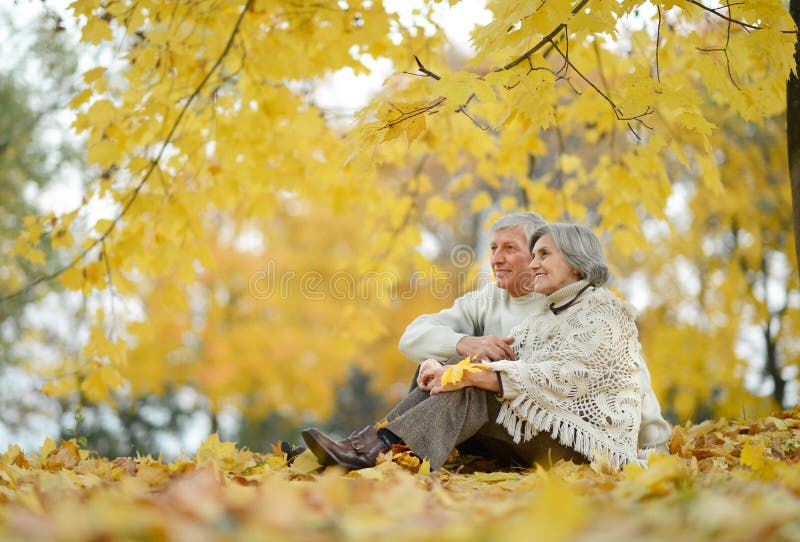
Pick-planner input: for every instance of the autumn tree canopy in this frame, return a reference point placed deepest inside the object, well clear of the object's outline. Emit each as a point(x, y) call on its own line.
point(209, 146)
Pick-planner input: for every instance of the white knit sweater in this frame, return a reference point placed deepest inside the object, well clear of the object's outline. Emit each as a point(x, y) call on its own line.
point(489, 310)
point(580, 376)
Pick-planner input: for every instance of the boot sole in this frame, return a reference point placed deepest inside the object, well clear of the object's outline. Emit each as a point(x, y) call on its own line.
point(321, 453)
point(323, 457)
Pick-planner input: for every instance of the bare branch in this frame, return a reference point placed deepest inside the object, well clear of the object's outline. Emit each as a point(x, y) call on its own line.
point(565, 67)
point(617, 111)
point(104, 255)
point(730, 19)
point(724, 51)
point(405, 115)
point(544, 41)
point(148, 173)
point(476, 122)
point(425, 70)
point(658, 44)
point(631, 130)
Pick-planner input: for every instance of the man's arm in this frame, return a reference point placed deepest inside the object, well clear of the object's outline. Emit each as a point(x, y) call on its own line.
point(436, 335)
point(486, 348)
point(454, 331)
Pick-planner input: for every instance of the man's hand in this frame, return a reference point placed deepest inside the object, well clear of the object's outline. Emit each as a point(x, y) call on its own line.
point(490, 347)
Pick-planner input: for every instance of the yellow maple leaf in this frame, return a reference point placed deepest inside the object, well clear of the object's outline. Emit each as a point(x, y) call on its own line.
point(481, 201)
point(305, 463)
point(27, 251)
point(753, 456)
point(96, 30)
point(67, 456)
point(455, 373)
point(214, 450)
point(440, 208)
point(90, 76)
point(59, 387)
point(98, 385)
point(424, 468)
point(104, 153)
point(62, 238)
point(47, 446)
point(381, 424)
point(414, 127)
point(81, 98)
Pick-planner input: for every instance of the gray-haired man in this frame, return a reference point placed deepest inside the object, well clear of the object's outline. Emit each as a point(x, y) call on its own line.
point(479, 323)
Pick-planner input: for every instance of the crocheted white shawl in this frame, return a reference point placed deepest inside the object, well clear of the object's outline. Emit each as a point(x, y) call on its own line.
point(576, 374)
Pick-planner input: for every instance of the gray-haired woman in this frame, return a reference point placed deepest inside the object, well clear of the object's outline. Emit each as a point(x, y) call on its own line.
point(579, 385)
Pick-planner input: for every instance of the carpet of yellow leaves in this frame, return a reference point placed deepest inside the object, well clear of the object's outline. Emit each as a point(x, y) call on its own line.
point(725, 480)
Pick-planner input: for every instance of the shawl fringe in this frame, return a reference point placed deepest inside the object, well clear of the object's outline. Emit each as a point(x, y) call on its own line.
point(524, 419)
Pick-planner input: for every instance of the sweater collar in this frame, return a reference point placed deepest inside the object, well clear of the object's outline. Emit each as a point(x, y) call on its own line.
point(568, 293)
point(521, 300)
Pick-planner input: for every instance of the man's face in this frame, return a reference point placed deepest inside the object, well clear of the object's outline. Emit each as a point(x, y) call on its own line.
point(510, 260)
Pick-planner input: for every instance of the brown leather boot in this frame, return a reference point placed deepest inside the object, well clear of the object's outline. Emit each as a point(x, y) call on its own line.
point(358, 451)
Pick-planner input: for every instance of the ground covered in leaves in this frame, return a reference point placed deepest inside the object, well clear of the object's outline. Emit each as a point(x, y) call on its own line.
point(725, 480)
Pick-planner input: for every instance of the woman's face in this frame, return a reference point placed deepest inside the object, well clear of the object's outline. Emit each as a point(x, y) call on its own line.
point(550, 271)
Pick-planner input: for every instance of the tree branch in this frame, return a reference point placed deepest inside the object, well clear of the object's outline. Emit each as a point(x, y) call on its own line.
point(104, 255)
point(658, 44)
point(724, 50)
point(148, 173)
point(404, 116)
point(617, 111)
point(730, 19)
point(463, 109)
point(425, 70)
point(544, 41)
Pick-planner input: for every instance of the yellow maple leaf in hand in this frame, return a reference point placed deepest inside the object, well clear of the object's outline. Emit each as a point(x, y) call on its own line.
point(455, 373)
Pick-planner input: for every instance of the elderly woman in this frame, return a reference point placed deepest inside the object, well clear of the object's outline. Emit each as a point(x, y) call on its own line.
point(576, 388)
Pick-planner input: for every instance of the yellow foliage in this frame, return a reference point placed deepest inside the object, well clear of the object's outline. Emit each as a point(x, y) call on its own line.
point(707, 489)
point(99, 382)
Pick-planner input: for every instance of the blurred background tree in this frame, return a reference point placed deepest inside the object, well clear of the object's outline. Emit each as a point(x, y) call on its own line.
point(38, 77)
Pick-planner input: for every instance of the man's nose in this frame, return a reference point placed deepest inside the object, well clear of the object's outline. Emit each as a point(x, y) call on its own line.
point(496, 257)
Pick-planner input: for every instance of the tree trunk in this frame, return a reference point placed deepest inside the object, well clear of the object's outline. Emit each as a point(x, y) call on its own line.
point(773, 369)
point(793, 134)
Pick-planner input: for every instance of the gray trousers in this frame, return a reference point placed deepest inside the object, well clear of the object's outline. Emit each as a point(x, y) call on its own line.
point(433, 425)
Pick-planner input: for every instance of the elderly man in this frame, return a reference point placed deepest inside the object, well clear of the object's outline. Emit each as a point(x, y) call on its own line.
point(479, 323)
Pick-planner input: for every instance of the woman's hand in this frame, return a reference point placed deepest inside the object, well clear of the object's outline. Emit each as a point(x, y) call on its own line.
point(430, 372)
point(438, 388)
point(485, 380)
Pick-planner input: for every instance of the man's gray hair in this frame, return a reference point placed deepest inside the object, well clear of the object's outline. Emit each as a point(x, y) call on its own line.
point(580, 248)
point(529, 222)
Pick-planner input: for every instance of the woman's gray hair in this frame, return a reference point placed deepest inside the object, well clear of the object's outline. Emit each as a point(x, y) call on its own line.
point(529, 222)
point(580, 248)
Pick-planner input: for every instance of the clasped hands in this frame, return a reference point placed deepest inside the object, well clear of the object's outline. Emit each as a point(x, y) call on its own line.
point(430, 377)
point(488, 348)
